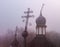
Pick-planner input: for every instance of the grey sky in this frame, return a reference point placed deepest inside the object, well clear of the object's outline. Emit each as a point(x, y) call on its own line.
point(12, 10)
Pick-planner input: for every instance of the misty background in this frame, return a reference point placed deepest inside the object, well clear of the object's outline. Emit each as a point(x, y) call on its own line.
point(10, 17)
point(12, 10)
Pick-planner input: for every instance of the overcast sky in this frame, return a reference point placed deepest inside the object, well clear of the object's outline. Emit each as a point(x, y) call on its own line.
point(12, 10)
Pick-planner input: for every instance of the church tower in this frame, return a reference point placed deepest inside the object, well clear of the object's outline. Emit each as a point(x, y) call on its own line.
point(41, 24)
point(41, 40)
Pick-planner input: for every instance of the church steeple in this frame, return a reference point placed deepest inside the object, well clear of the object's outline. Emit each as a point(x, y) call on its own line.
point(41, 23)
point(16, 32)
point(40, 40)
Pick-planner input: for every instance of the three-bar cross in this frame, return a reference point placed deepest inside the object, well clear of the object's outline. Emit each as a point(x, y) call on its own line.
point(27, 17)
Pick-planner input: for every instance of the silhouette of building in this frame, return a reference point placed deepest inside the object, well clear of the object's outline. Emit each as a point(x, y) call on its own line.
point(40, 40)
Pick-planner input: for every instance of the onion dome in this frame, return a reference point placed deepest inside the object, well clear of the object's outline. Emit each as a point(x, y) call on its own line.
point(41, 21)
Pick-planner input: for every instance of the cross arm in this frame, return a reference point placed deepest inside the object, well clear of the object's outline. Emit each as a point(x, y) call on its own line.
point(31, 15)
point(28, 12)
point(27, 16)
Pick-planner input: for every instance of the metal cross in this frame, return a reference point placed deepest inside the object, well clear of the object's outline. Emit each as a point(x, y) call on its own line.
point(27, 17)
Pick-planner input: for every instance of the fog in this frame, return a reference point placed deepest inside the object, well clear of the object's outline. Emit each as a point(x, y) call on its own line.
point(12, 10)
point(10, 17)
point(8, 38)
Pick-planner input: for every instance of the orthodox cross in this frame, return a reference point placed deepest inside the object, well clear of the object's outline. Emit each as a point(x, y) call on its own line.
point(27, 17)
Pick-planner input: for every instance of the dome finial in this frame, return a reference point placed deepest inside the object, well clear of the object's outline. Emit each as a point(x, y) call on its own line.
point(41, 9)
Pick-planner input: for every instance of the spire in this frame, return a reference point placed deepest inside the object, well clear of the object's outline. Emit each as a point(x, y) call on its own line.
point(15, 42)
point(41, 9)
point(16, 32)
